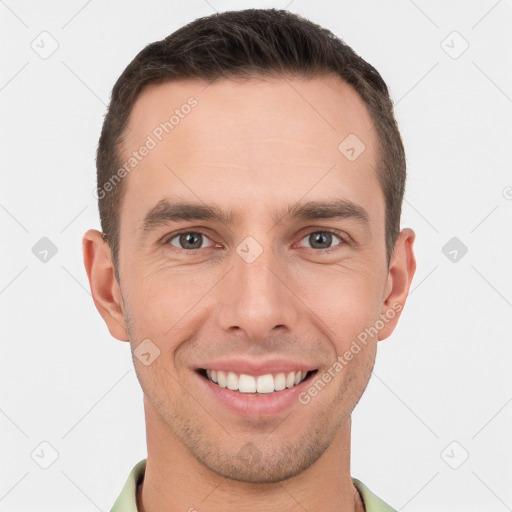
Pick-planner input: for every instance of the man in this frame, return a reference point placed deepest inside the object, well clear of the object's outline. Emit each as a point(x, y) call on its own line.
point(250, 181)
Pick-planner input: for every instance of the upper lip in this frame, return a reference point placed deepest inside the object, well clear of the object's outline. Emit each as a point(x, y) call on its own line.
point(256, 368)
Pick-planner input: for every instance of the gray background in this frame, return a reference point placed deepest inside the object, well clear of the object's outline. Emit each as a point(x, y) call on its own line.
point(432, 431)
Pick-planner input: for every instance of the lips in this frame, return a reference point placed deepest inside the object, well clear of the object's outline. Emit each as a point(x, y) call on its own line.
point(254, 388)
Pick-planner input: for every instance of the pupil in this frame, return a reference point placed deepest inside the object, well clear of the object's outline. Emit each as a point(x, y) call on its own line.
point(318, 238)
point(188, 239)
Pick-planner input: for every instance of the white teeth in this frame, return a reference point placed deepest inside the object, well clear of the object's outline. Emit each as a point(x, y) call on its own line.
point(221, 376)
point(232, 381)
point(244, 383)
point(280, 382)
point(265, 384)
point(247, 384)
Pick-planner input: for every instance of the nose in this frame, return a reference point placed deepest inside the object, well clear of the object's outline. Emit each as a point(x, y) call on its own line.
point(257, 298)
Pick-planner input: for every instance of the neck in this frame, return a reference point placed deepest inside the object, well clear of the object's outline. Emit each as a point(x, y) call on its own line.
point(176, 481)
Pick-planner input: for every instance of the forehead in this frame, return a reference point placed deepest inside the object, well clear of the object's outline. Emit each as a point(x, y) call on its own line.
point(322, 107)
point(260, 141)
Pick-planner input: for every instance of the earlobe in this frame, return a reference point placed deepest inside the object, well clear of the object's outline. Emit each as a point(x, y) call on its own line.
point(104, 287)
point(401, 271)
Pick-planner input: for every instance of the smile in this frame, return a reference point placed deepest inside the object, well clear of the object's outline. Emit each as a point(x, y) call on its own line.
point(251, 384)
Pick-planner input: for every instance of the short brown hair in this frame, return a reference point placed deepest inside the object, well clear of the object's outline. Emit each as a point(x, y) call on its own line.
point(244, 44)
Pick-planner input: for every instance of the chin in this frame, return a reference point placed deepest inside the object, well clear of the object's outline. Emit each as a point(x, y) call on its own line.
point(269, 464)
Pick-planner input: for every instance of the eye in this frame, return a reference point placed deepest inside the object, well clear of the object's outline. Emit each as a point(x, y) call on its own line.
point(189, 240)
point(193, 240)
point(321, 240)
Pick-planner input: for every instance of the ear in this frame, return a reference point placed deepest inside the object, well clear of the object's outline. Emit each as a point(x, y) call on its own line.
point(104, 286)
point(400, 273)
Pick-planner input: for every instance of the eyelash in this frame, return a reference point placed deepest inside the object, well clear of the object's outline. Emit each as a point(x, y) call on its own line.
point(334, 232)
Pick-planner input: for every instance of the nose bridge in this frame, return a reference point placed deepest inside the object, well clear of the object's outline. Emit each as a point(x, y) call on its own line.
point(257, 299)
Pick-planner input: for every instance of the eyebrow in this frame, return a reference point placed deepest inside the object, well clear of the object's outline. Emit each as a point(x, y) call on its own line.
point(165, 212)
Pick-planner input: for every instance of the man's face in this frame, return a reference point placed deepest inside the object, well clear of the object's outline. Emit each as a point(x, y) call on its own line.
point(290, 297)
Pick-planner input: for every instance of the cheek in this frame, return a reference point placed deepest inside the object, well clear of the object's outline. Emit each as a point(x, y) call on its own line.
point(346, 300)
point(167, 304)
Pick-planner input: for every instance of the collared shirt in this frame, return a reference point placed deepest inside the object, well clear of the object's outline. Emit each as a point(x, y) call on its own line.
point(127, 500)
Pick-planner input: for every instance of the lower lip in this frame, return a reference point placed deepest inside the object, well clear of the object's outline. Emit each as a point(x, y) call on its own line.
point(264, 404)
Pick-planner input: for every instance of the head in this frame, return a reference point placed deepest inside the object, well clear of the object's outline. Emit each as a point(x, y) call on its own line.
point(260, 224)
